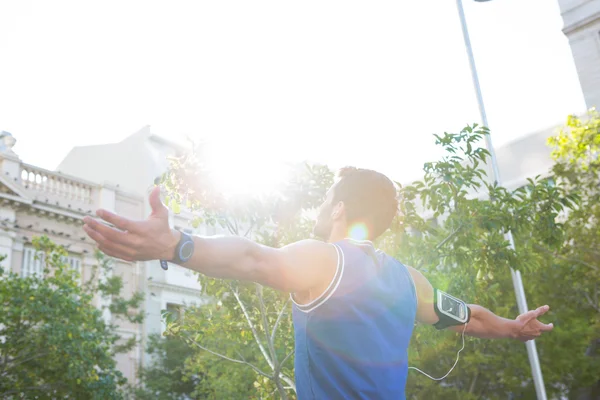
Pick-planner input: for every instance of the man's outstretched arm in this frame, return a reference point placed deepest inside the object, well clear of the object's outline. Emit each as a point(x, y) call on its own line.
point(296, 268)
point(487, 325)
point(484, 323)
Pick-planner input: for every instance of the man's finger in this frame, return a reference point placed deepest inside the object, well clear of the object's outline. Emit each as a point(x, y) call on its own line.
point(123, 224)
point(108, 247)
point(115, 253)
point(541, 310)
point(158, 208)
point(95, 235)
point(546, 327)
point(107, 232)
point(528, 316)
point(533, 314)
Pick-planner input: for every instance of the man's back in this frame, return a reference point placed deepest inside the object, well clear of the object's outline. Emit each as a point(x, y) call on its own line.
point(352, 341)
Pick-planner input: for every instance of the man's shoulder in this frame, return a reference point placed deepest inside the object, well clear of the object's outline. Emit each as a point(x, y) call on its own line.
point(308, 245)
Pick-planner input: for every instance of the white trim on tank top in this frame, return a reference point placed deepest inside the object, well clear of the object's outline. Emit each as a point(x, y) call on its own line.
point(333, 285)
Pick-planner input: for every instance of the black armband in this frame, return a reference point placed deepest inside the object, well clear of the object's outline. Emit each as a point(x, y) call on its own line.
point(450, 310)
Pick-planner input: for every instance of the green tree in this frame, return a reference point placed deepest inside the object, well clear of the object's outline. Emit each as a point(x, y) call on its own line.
point(466, 252)
point(248, 325)
point(576, 264)
point(165, 378)
point(55, 343)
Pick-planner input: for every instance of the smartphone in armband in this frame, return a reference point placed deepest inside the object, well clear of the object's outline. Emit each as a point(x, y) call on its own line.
point(450, 310)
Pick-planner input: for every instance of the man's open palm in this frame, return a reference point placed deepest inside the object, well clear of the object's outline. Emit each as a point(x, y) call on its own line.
point(528, 326)
point(129, 240)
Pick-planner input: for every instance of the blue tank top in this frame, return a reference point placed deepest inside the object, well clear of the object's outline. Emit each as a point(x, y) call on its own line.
point(352, 341)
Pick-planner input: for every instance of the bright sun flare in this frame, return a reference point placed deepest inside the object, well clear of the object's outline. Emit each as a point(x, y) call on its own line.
point(241, 172)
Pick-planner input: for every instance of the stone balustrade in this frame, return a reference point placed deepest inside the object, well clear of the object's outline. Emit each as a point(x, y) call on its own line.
point(58, 189)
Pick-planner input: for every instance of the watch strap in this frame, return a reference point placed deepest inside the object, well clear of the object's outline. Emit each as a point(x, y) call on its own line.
point(184, 239)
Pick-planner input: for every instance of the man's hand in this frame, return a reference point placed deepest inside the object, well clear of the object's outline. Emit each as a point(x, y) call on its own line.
point(151, 239)
point(527, 326)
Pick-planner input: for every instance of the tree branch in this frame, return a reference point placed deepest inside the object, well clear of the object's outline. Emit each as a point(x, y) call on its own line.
point(289, 381)
point(27, 389)
point(273, 333)
point(23, 361)
point(255, 368)
point(472, 387)
point(5, 356)
point(450, 236)
point(286, 358)
point(229, 226)
point(586, 249)
point(565, 258)
point(252, 328)
point(590, 302)
point(276, 365)
point(249, 229)
point(263, 314)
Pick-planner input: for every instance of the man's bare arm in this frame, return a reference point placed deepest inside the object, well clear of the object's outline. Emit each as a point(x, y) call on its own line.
point(298, 267)
point(294, 268)
point(487, 325)
point(483, 323)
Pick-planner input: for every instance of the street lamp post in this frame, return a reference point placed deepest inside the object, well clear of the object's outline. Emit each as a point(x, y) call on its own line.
point(516, 275)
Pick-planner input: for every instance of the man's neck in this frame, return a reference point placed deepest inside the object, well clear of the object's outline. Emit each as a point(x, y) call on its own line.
point(337, 234)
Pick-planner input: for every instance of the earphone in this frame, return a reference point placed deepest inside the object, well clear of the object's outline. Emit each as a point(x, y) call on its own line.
point(456, 362)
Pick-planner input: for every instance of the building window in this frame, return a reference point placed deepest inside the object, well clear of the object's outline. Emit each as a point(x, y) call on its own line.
point(33, 263)
point(176, 310)
point(74, 263)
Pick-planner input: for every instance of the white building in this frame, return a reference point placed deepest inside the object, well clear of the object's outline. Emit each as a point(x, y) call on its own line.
point(35, 202)
point(582, 28)
point(132, 165)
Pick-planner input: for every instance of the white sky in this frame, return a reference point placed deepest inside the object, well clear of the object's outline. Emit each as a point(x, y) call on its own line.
point(342, 82)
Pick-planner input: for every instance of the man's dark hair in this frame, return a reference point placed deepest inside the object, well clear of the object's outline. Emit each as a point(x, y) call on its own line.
point(369, 197)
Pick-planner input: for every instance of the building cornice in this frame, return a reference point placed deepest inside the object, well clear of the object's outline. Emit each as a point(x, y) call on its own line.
point(176, 289)
point(572, 25)
point(15, 199)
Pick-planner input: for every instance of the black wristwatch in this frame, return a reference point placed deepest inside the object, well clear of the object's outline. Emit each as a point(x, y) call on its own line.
point(183, 252)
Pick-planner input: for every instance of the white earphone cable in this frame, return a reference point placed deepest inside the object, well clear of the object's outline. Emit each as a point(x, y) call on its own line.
point(456, 362)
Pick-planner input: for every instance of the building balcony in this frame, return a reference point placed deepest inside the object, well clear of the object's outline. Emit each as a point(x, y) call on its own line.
point(58, 190)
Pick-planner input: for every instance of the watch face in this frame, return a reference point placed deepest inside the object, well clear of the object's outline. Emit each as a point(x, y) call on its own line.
point(453, 307)
point(186, 251)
